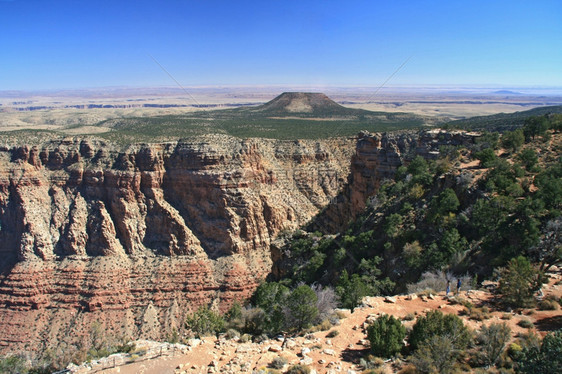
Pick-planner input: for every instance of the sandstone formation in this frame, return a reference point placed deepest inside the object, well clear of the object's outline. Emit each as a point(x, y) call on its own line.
point(136, 238)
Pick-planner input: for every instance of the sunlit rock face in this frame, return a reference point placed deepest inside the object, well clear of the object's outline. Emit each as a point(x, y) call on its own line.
point(136, 238)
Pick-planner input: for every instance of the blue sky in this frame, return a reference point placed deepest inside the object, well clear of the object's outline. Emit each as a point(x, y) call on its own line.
point(72, 44)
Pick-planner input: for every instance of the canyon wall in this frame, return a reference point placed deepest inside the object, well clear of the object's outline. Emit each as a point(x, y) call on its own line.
point(376, 158)
point(138, 237)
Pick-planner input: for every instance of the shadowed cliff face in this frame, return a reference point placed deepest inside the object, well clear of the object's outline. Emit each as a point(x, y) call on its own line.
point(138, 238)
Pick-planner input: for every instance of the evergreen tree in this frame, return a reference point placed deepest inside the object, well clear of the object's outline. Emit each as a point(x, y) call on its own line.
point(386, 335)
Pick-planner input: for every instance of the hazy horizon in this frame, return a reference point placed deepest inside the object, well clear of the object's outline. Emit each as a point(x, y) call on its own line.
point(359, 89)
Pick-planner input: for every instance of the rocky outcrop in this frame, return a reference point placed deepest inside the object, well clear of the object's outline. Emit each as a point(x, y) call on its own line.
point(376, 158)
point(138, 237)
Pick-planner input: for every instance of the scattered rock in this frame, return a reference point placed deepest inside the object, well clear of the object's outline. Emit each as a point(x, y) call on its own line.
point(343, 312)
point(390, 299)
point(307, 361)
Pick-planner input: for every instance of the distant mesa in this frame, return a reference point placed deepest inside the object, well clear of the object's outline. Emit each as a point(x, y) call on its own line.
point(506, 92)
point(308, 103)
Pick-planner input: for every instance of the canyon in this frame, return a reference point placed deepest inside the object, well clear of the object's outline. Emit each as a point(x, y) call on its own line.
point(135, 238)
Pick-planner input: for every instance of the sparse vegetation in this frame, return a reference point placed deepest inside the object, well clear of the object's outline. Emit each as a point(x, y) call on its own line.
point(492, 340)
point(250, 123)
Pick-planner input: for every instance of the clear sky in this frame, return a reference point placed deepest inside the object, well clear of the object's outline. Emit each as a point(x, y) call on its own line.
point(49, 44)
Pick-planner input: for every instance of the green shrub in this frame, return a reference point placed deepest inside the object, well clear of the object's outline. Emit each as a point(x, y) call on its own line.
point(14, 364)
point(437, 323)
point(525, 323)
point(298, 369)
point(437, 355)
point(528, 158)
point(386, 335)
point(302, 309)
point(332, 334)
point(493, 339)
point(486, 157)
point(544, 360)
point(270, 297)
point(279, 362)
point(205, 322)
point(548, 305)
point(513, 140)
point(351, 291)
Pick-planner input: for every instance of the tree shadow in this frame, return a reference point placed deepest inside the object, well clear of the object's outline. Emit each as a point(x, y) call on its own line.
point(549, 323)
point(353, 355)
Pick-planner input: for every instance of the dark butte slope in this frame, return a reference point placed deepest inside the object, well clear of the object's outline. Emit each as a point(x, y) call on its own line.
point(305, 103)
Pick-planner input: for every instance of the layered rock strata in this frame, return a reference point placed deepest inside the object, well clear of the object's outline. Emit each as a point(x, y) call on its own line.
point(137, 238)
point(134, 239)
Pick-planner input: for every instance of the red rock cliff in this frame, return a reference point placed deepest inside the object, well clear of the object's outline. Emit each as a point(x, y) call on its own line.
point(139, 237)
